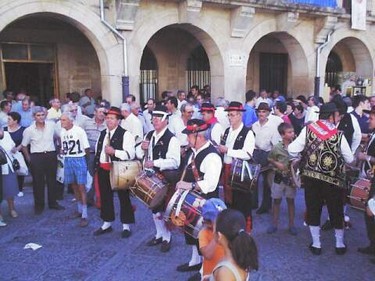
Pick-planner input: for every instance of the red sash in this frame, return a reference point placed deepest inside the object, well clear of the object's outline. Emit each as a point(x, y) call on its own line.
point(321, 130)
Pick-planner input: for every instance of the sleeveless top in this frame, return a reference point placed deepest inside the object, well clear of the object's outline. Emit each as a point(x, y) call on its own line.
point(231, 267)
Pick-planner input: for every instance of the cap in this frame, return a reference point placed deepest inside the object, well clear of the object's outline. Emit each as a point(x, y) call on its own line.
point(115, 111)
point(195, 126)
point(211, 208)
point(329, 107)
point(161, 110)
point(235, 106)
point(206, 106)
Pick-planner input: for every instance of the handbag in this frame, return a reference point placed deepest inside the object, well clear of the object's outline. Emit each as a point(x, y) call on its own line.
point(22, 169)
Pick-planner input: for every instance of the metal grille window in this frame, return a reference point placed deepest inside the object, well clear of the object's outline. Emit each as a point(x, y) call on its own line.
point(148, 86)
point(333, 68)
point(26, 52)
point(198, 68)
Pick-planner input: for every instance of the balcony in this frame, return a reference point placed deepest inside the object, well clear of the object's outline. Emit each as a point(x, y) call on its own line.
point(318, 3)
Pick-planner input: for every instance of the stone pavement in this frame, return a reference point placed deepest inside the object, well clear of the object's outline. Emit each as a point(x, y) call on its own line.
point(71, 253)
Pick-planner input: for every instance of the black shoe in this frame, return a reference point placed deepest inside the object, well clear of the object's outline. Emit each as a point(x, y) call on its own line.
point(56, 206)
point(185, 267)
point(101, 231)
point(126, 233)
point(165, 246)
point(327, 226)
point(314, 250)
point(195, 277)
point(261, 210)
point(340, 251)
point(367, 250)
point(154, 242)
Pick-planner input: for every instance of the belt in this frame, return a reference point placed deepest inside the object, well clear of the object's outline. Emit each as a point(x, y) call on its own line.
point(44, 152)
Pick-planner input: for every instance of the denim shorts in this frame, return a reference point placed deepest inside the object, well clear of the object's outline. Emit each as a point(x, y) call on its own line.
point(75, 170)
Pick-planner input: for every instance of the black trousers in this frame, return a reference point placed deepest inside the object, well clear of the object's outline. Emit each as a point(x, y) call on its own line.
point(317, 193)
point(107, 211)
point(370, 228)
point(261, 157)
point(43, 171)
point(242, 201)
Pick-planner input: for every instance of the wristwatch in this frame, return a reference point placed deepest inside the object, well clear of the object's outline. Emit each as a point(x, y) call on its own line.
point(193, 185)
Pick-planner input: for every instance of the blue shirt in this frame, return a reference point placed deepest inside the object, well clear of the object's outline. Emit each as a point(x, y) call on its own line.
point(26, 118)
point(249, 117)
point(363, 122)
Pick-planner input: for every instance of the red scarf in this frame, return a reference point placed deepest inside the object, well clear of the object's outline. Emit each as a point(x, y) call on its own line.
point(213, 120)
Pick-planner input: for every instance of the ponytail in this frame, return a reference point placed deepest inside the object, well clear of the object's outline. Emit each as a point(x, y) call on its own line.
point(244, 251)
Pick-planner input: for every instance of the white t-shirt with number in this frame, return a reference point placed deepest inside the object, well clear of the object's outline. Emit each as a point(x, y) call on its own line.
point(74, 142)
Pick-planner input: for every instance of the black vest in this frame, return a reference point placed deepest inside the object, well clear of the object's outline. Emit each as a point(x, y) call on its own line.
point(346, 125)
point(240, 140)
point(189, 175)
point(160, 149)
point(116, 142)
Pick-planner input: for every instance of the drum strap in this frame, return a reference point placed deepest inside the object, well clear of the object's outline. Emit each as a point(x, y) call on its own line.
point(194, 169)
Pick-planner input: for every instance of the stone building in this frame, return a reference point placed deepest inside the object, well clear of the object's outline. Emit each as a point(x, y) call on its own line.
point(143, 47)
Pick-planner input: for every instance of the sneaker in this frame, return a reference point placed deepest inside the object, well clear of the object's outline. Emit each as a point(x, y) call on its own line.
point(20, 194)
point(272, 229)
point(2, 223)
point(293, 231)
point(13, 214)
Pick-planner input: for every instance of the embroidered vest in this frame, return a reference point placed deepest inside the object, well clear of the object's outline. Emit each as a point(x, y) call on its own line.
point(322, 158)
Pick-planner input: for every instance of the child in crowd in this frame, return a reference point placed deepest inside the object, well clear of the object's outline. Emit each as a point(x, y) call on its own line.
point(282, 185)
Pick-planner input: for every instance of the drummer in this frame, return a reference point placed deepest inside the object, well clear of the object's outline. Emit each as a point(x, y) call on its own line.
point(114, 144)
point(201, 175)
point(368, 158)
point(238, 142)
point(163, 153)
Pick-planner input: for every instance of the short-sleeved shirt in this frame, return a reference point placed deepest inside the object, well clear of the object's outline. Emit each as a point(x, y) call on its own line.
point(280, 154)
point(205, 236)
point(93, 130)
point(74, 142)
point(40, 140)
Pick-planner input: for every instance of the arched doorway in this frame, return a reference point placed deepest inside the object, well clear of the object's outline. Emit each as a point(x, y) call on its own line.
point(148, 86)
point(333, 69)
point(46, 56)
point(198, 68)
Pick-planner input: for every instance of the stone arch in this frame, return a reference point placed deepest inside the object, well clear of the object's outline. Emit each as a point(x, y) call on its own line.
point(103, 41)
point(300, 65)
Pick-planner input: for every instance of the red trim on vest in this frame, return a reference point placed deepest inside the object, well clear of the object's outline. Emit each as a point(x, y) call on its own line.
point(321, 130)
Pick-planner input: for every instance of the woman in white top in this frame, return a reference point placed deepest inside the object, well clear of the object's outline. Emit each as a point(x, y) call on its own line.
point(241, 254)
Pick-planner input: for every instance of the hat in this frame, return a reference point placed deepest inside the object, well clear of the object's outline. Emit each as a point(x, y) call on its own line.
point(206, 106)
point(235, 106)
point(195, 126)
point(263, 106)
point(211, 208)
point(115, 111)
point(329, 107)
point(161, 110)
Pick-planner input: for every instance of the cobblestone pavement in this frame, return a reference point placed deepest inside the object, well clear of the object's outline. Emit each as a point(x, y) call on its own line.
point(71, 253)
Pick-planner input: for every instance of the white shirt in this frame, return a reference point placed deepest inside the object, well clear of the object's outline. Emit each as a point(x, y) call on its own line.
point(222, 117)
point(173, 157)
point(128, 147)
point(176, 126)
point(246, 152)
point(211, 167)
point(134, 126)
point(216, 133)
point(148, 121)
point(260, 100)
point(298, 145)
point(40, 140)
point(74, 142)
point(7, 144)
point(267, 135)
point(357, 134)
point(312, 114)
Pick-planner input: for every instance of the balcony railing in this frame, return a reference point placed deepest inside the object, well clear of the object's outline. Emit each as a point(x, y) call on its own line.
point(318, 3)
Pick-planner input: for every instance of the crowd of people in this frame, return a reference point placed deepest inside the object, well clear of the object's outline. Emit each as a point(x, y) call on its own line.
point(197, 145)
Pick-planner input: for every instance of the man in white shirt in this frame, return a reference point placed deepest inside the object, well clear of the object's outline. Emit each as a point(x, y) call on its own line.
point(312, 111)
point(54, 113)
point(147, 114)
point(176, 125)
point(131, 123)
point(263, 97)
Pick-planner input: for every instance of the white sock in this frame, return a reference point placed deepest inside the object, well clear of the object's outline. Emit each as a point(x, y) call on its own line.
point(339, 234)
point(195, 257)
point(125, 226)
point(166, 234)
point(106, 225)
point(315, 234)
point(84, 211)
point(79, 206)
point(158, 225)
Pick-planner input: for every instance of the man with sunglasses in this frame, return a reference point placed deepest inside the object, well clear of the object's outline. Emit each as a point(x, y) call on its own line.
point(163, 155)
point(41, 137)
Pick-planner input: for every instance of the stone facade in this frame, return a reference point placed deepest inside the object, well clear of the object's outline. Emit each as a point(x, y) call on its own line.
point(233, 34)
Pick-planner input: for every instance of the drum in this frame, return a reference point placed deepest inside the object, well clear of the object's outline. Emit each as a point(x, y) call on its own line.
point(359, 194)
point(184, 210)
point(244, 175)
point(150, 188)
point(122, 174)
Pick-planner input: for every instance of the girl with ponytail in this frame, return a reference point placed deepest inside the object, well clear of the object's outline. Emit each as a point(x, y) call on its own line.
point(241, 254)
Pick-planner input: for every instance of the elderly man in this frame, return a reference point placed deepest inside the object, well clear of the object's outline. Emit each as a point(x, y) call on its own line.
point(41, 137)
point(26, 113)
point(75, 147)
point(215, 130)
point(203, 168)
point(114, 144)
point(325, 151)
point(238, 142)
point(163, 150)
point(147, 114)
point(87, 103)
point(54, 113)
point(131, 123)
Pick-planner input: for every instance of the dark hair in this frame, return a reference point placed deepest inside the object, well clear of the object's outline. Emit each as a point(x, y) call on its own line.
point(298, 106)
point(3, 104)
point(340, 104)
point(196, 87)
point(250, 95)
point(6, 93)
point(173, 100)
point(15, 116)
point(231, 223)
point(302, 98)
point(132, 97)
point(74, 97)
point(281, 106)
point(358, 99)
point(283, 127)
